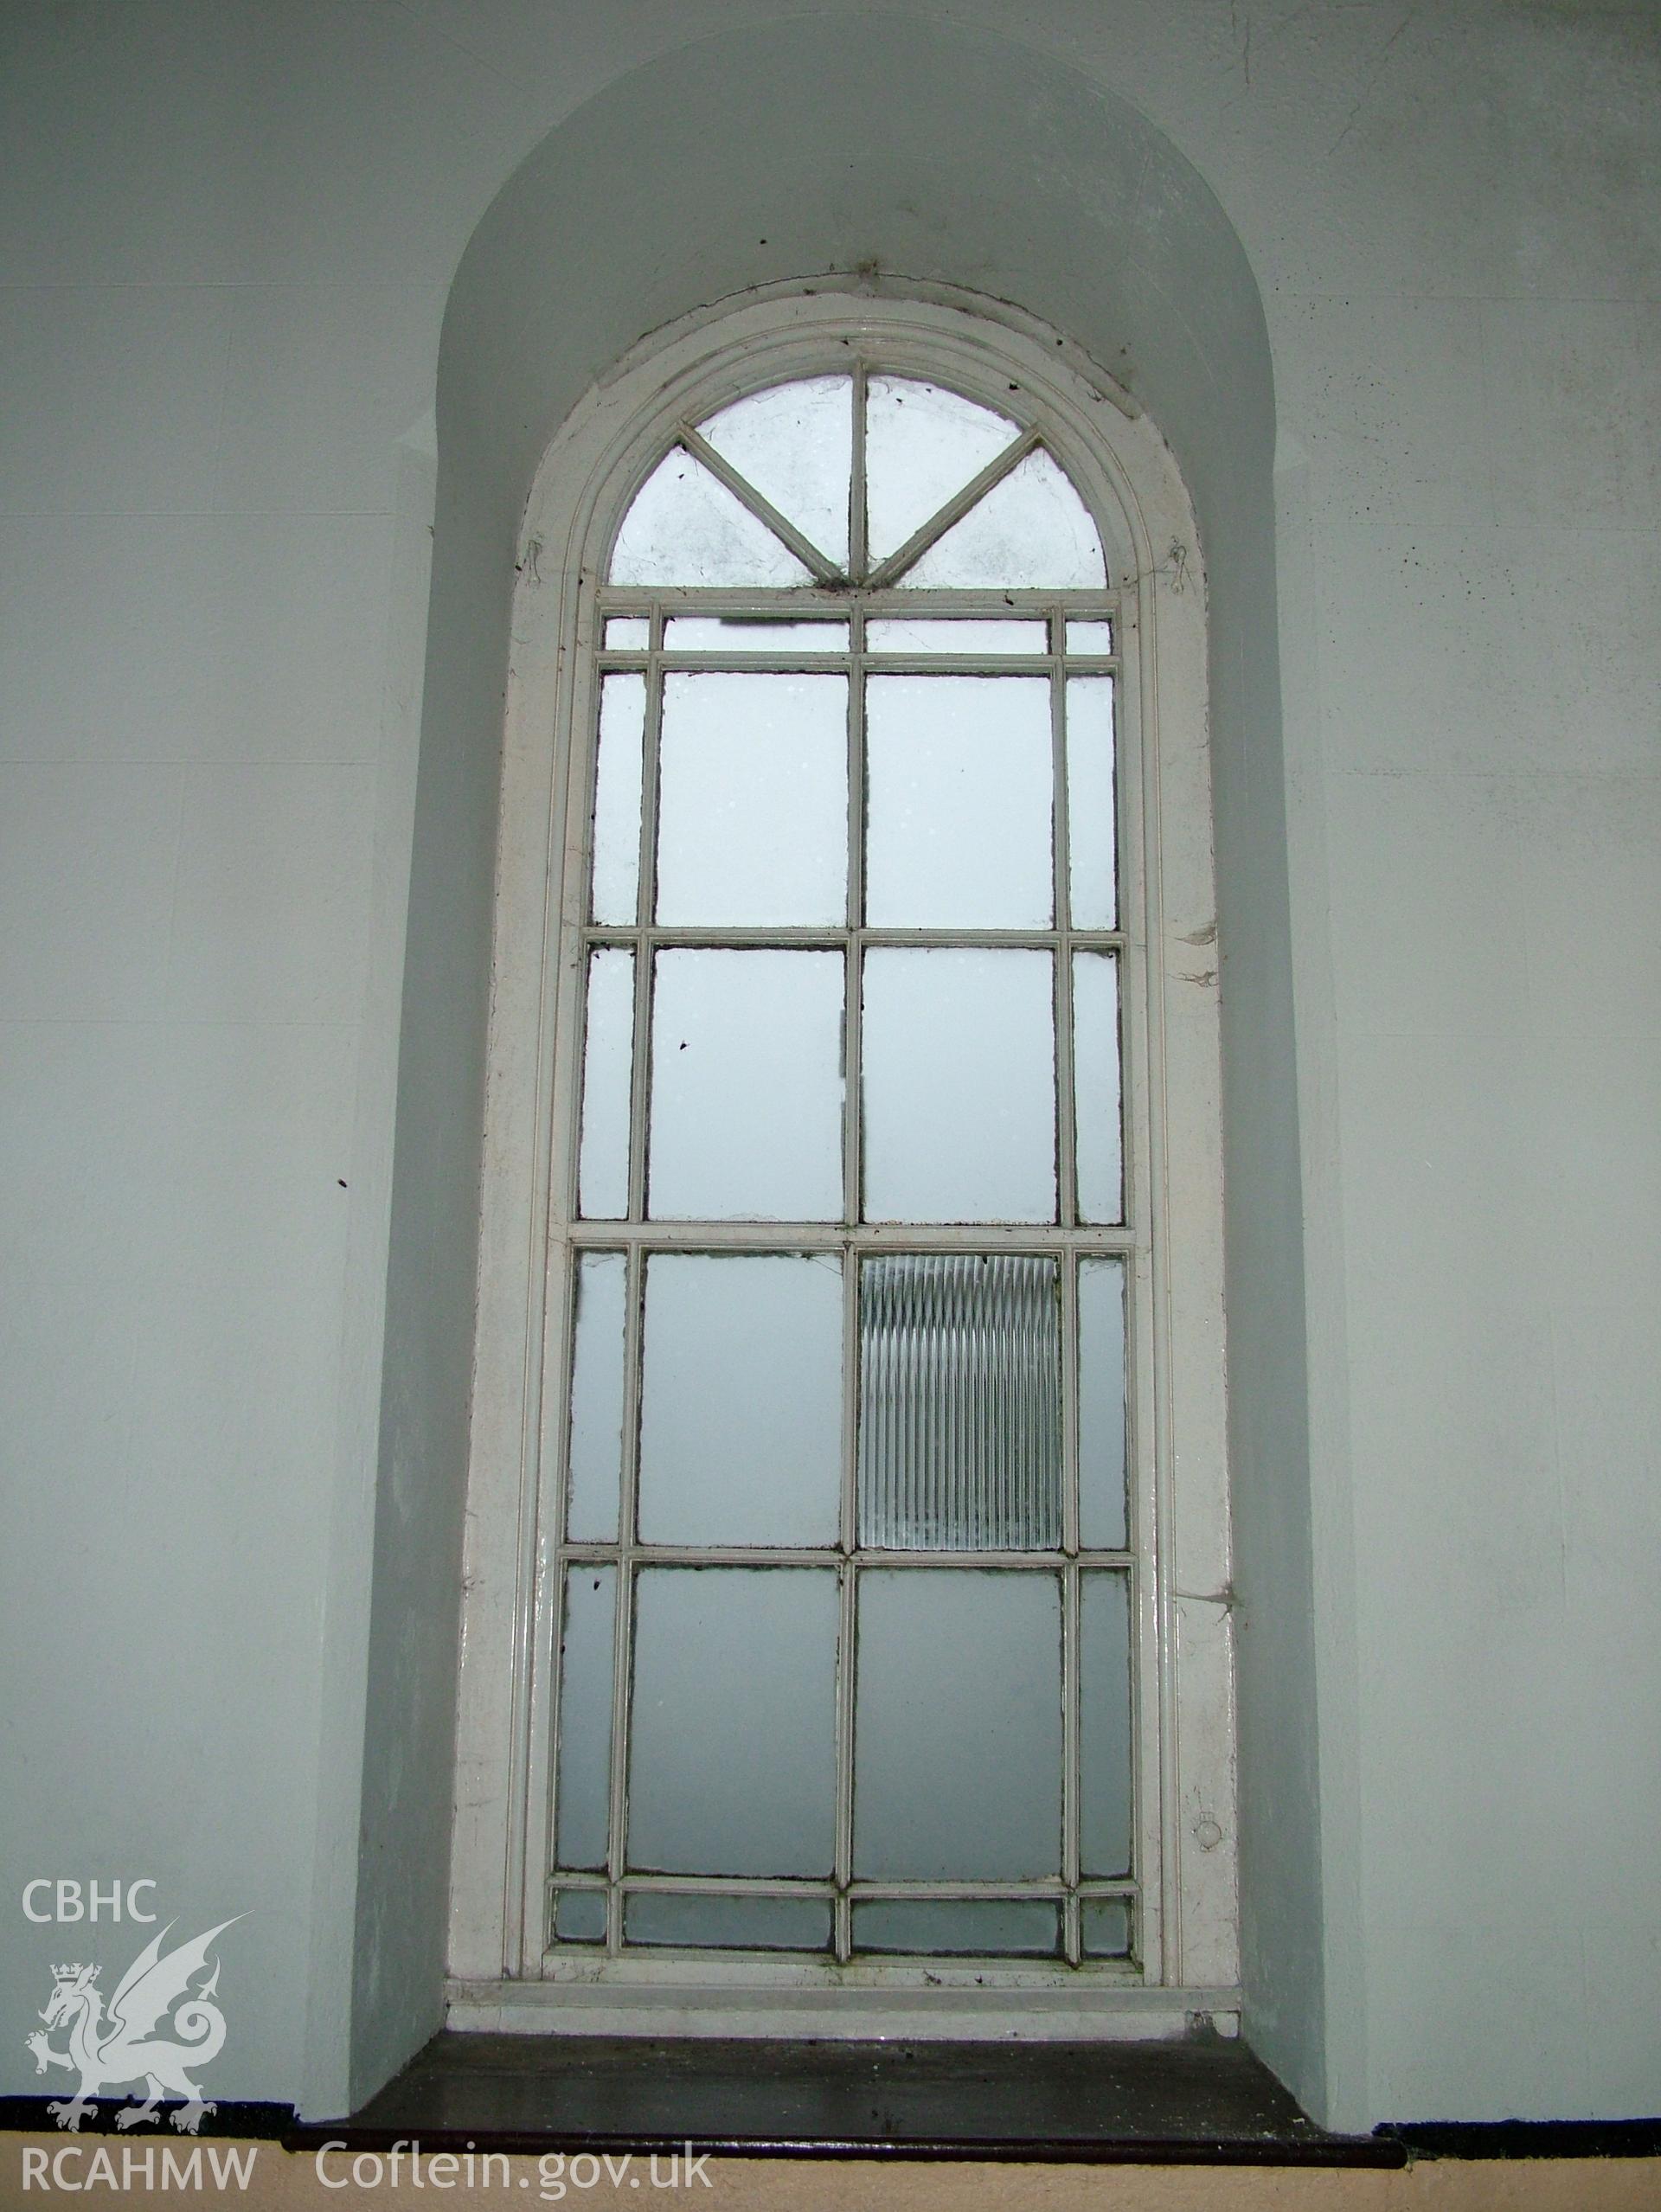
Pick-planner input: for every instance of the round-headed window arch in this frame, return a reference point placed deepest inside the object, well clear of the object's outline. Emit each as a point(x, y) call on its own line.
point(851, 1632)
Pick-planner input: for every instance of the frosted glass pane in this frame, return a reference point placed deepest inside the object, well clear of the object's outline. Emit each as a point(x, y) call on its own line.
point(1104, 1924)
point(627, 634)
point(582, 1794)
point(715, 633)
point(795, 444)
point(579, 1916)
point(1089, 636)
point(1095, 1084)
point(753, 802)
point(731, 1746)
point(617, 798)
point(961, 1927)
point(922, 445)
point(607, 1067)
point(1091, 887)
point(1101, 1404)
point(686, 528)
point(732, 1923)
point(959, 1083)
point(746, 1087)
point(740, 1426)
point(1031, 529)
point(960, 1403)
point(955, 636)
point(958, 1724)
point(959, 778)
point(600, 1290)
point(1104, 1725)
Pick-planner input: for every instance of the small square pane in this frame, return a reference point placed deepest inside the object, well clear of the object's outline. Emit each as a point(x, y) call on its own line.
point(598, 1294)
point(1090, 638)
point(959, 791)
point(1092, 891)
point(741, 1923)
point(1104, 1725)
point(1104, 1924)
point(732, 1744)
point(959, 1086)
point(1096, 1086)
point(740, 1422)
point(582, 1795)
point(753, 799)
point(607, 1074)
point(746, 1087)
point(617, 798)
point(961, 1927)
point(627, 634)
point(579, 1916)
point(1101, 1405)
point(958, 1724)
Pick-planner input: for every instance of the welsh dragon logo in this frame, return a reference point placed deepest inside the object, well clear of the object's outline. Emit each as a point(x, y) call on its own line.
point(109, 2051)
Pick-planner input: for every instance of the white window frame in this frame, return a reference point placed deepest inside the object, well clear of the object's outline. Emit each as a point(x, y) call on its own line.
point(500, 1974)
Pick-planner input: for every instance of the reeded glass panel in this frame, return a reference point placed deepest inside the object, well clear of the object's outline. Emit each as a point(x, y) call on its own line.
point(959, 771)
point(627, 634)
point(958, 1724)
point(922, 445)
point(582, 1793)
point(959, 1081)
point(753, 802)
point(579, 1916)
point(962, 1927)
point(1031, 530)
point(1096, 1086)
point(740, 1423)
point(794, 444)
point(600, 1291)
point(1105, 1925)
point(728, 1923)
point(1089, 636)
point(959, 1403)
point(607, 1068)
point(732, 1744)
point(617, 798)
point(746, 1087)
point(920, 634)
point(1104, 1725)
point(752, 633)
point(686, 528)
point(1101, 1405)
point(1090, 887)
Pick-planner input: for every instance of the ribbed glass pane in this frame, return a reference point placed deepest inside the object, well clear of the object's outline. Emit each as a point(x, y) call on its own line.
point(960, 1403)
point(583, 1792)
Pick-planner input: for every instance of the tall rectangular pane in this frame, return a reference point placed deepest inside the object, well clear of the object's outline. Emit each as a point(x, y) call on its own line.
point(607, 1072)
point(1104, 1765)
point(582, 1793)
point(1101, 1405)
point(1091, 888)
point(1098, 1144)
point(959, 1403)
point(732, 1744)
point(740, 1423)
point(598, 1292)
point(959, 771)
point(958, 1724)
point(752, 800)
point(959, 1086)
point(746, 1087)
point(617, 798)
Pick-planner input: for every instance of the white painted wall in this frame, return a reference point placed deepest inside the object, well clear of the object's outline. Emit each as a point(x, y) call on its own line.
point(227, 234)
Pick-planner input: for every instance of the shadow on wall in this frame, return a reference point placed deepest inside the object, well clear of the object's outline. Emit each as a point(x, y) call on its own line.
point(859, 142)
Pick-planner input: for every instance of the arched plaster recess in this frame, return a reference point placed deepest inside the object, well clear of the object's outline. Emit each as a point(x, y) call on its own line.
point(916, 150)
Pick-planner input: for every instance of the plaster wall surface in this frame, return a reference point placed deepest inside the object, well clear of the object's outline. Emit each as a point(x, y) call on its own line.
point(227, 237)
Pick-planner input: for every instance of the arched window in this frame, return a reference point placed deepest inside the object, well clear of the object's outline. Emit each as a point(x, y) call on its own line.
point(848, 1640)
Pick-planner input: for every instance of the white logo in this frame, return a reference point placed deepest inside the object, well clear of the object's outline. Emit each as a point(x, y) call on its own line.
point(109, 2052)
